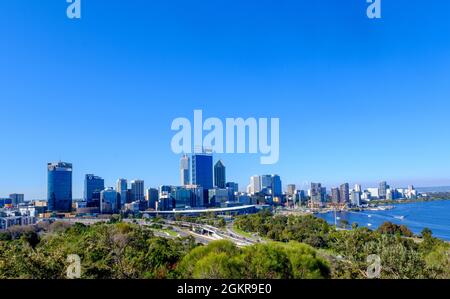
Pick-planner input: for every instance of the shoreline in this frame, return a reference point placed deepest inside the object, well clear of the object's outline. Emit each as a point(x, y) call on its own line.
point(403, 201)
point(358, 216)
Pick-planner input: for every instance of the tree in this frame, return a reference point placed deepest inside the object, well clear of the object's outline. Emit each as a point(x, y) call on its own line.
point(343, 223)
point(217, 260)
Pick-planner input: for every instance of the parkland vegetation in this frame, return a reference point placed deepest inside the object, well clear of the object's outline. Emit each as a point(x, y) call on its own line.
point(294, 247)
point(402, 254)
point(128, 251)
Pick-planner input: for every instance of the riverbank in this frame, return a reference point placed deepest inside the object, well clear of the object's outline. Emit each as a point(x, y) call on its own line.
point(402, 201)
point(416, 215)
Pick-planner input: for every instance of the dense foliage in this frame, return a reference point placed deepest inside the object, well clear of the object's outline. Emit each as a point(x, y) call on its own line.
point(125, 251)
point(106, 250)
point(348, 250)
point(222, 259)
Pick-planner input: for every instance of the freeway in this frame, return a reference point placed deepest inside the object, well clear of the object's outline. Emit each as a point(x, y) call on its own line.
point(202, 233)
point(214, 232)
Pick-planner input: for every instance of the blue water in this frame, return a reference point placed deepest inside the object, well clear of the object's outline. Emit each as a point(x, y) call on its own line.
point(434, 214)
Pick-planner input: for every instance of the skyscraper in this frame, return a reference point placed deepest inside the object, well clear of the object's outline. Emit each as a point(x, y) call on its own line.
point(276, 186)
point(219, 175)
point(202, 170)
point(184, 170)
point(291, 189)
point(335, 195)
point(232, 189)
point(137, 190)
point(59, 187)
point(266, 182)
point(382, 190)
point(92, 184)
point(316, 192)
point(122, 187)
point(233, 186)
point(255, 184)
point(356, 198)
point(152, 196)
point(109, 201)
point(344, 193)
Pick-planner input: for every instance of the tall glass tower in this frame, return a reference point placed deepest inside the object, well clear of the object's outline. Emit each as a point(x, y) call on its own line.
point(59, 188)
point(277, 189)
point(219, 175)
point(202, 170)
point(137, 190)
point(92, 184)
point(184, 170)
point(122, 187)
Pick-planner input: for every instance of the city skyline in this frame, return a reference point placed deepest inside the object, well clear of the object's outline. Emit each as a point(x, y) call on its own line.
point(359, 100)
point(143, 185)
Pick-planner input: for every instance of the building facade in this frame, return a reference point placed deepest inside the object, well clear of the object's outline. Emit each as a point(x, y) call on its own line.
point(335, 195)
point(122, 188)
point(137, 190)
point(344, 195)
point(276, 186)
point(92, 184)
point(152, 196)
point(219, 175)
point(202, 170)
point(184, 170)
point(291, 189)
point(316, 192)
point(59, 187)
point(109, 201)
point(17, 199)
point(382, 190)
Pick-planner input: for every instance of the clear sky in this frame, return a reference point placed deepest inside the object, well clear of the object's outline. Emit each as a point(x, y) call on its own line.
point(359, 100)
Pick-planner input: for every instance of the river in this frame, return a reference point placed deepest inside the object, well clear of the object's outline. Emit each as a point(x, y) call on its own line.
point(432, 214)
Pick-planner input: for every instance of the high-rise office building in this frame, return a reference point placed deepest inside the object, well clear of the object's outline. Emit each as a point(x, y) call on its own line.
point(122, 188)
point(335, 195)
point(59, 187)
point(17, 199)
point(255, 184)
point(233, 189)
point(92, 184)
point(219, 175)
point(266, 182)
point(184, 170)
point(218, 197)
point(316, 192)
point(291, 189)
point(357, 188)
point(202, 170)
point(277, 189)
point(233, 186)
point(151, 196)
point(190, 196)
point(137, 190)
point(300, 196)
point(344, 190)
point(323, 194)
point(109, 201)
point(382, 190)
point(356, 198)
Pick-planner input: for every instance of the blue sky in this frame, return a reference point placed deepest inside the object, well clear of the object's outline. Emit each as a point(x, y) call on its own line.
point(359, 100)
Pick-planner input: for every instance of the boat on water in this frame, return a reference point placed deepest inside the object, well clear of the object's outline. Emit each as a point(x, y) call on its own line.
point(381, 208)
point(369, 224)
point(399, 217)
